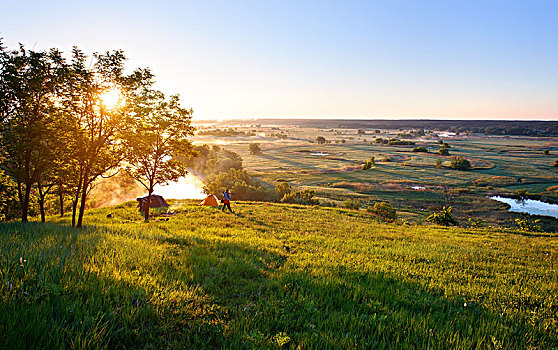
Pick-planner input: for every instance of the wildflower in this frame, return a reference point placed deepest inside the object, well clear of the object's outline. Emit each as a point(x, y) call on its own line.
point(464, 304)
point(21, 261)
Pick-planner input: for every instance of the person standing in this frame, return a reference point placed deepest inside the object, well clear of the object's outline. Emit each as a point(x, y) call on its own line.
point(227, 200)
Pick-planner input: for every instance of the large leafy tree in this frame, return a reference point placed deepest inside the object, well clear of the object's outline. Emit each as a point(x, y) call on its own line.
point(157, 139)
point(29, 87)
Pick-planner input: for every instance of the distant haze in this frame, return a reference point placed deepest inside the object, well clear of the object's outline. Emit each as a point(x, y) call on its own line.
point(490, 59)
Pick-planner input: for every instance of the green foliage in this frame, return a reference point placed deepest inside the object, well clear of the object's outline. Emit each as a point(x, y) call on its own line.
point(438, 163)
point(522, 192)
point(9, 204)
point(321, 140)
point(353, 204)
point(420, 149)
point(545, 152)
point(240, 183)
point(214, 160)
point(156, 138)
point(289, 195)
point(384, 210)
point(444, 217)
point(368, 164)
point(529, 226)
point(255, 149)
point(230, 132)
point(476, 223)
point(443, 151)
point(460, 163)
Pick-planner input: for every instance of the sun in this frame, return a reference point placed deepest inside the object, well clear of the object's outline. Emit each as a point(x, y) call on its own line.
point(111, 98)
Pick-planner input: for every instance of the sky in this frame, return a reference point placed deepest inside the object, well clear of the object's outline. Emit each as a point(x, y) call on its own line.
point(320, 59)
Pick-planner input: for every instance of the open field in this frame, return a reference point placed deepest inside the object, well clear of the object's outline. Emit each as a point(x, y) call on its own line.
point(273, 276)
point(501, 166)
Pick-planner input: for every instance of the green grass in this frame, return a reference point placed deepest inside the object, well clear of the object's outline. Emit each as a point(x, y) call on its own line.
point(273, 276)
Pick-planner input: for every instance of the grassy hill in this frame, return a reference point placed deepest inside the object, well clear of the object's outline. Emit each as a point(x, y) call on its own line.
point(273, 276)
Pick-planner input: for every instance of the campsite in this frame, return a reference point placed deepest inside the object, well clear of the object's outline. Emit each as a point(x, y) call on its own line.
point(278, 175)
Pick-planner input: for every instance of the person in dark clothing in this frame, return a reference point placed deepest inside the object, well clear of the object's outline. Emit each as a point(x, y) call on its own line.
point(227, 200)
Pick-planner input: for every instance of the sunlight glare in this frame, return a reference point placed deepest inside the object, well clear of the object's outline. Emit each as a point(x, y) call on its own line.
point(111, 98)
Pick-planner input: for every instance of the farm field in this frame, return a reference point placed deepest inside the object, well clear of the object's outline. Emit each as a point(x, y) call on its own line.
point(273, 276)
point(411, 181)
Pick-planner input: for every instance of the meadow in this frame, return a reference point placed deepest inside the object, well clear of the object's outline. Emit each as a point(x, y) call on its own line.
point(273, 276)
point(410, 181)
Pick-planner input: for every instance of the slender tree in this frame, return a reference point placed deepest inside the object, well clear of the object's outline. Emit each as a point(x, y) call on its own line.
point(157, 138)
point(98, 124)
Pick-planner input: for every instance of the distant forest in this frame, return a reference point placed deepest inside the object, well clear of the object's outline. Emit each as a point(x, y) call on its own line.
point(492, 127)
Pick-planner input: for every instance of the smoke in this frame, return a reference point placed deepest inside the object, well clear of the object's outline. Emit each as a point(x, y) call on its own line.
point(115, 190)
point(123, 188)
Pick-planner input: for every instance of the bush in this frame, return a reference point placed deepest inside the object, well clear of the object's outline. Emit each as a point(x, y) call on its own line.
point(556, 162)
point(476, 223)
point(438, 163)
point(351, 204)
point(443, 151)
point(546, 152)
point(321, 140)
point(255, 148)
point(443, 217)
point(420, 149)
point(368, 164)
point(528, 226)
point(305, 197)
point(460, 163)
point(384, 210)
point(241, 184)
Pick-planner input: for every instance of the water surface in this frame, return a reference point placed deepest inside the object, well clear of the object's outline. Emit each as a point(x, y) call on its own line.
point(529, 206)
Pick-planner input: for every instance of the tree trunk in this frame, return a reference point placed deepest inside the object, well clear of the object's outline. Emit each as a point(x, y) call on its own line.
point(61, 198)
point(75, 201)
point(82, 202)
point(25, 204)
point(42, 196)
point(148, 205)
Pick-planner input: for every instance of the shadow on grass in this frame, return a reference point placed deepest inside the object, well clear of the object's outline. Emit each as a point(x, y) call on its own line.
point(212, 293)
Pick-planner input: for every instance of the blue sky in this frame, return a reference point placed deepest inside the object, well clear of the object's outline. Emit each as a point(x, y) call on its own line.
point(329, 59)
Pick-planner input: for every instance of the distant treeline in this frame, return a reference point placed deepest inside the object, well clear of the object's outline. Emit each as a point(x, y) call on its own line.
point(492, 127)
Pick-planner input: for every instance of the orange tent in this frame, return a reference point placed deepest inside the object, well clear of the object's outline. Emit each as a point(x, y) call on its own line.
point(210, 200)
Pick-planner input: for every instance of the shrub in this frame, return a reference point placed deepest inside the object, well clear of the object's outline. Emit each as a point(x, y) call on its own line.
point(321, 140)
point(255, 148)
point(443, 151)
point(420, 149)
point(438, 163)
point(300, 197)
point(384, 210)
point(556, 162)
point(546, 152)
point(368, 164)
point(351, 204)
point(443, 217)
point(241, 184)
point(521, 192)
point(476, 223)
point(528, 226)
point(460, 163)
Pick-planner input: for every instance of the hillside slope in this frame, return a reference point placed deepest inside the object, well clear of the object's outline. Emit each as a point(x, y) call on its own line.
point(273, 276)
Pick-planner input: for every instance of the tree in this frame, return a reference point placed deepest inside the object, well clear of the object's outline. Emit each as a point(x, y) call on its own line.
point(157, 135)
point(420, 149)
point(384, 210)
point(444, 217)
point(29, 90)
point(8, 198)
point(321, 140)
point(443, 151)
point(98, 123)
point(460, 163)
point(255, 148)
